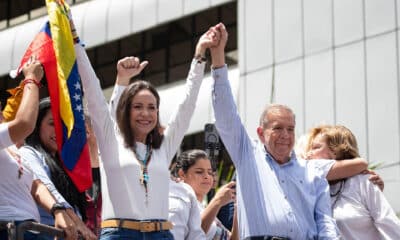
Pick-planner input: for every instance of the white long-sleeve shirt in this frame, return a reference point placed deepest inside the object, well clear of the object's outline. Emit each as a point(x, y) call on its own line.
point(16, 201)
point(184, 212)
point(123, 194)
point(362, 211)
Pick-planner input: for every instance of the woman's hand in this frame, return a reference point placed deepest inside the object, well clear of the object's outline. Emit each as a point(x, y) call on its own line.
point(33, 69)
point(81, 227)
point(375, 179)
point(127, 68)
point(207, 40)
point(64, 222)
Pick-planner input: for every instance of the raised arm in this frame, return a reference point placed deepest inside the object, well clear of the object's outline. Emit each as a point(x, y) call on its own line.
point(25, 119)
point(228, 121)
point(180, 119)
point(103, 125)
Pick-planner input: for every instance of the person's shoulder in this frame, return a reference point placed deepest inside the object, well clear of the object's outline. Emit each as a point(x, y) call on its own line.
point(180, 190)
point(27, 149)
point(359, 178)
point(320, 164)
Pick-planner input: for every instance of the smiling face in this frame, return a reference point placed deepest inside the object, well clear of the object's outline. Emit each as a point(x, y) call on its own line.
point(199, 176)
point(277, 133)
point(143, 114)
point(319, 149)
point(47, 133)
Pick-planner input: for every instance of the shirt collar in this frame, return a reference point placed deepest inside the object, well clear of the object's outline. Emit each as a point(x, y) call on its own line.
point(272, 161)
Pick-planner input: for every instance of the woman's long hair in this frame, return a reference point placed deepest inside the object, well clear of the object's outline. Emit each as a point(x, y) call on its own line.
point(58, 176)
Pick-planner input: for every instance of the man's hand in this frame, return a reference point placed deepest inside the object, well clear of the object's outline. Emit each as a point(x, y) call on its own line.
point(207, 40)
point(218, 51)
point(127, 68)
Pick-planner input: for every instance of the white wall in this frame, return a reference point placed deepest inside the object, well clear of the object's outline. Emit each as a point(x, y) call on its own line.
point(332, 61)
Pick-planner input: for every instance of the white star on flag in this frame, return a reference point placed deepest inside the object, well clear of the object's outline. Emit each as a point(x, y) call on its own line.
point(77, 86)
point(76, 97)
point(78, 108)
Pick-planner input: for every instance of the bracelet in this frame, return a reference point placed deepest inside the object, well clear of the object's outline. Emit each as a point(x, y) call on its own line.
point(200, 58)
point(31, 80)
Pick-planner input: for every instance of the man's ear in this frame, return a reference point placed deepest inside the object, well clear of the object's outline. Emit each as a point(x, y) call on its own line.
point(260, 133)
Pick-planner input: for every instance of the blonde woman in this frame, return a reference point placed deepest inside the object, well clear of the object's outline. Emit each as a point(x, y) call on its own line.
point(359, 207)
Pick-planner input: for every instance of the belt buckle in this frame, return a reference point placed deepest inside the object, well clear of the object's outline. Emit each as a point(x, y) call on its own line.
point(146, 226)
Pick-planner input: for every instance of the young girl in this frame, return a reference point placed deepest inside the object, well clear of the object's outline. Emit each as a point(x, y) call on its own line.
point(194, 168)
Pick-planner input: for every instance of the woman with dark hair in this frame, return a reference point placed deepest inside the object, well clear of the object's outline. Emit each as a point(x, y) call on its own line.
point(41, 153)
point(135, 152)
point(359, 207)
point(194, 168)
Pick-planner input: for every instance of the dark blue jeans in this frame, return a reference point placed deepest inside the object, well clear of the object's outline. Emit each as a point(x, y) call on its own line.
point(125, 234)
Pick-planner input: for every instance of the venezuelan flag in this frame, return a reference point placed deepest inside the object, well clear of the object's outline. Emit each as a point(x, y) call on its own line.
point(54, 47)
point(66, 97)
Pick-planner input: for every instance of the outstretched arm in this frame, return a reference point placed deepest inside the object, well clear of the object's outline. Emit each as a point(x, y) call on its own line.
point(346, 168)
point(180, 119)
point(218, 51)
point(228, 122)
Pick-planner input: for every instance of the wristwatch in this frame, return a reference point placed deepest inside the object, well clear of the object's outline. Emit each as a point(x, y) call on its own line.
point(200, 58)
point(55, 207)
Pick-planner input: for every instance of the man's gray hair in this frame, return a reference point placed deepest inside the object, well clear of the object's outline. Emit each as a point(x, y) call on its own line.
point(272, 108)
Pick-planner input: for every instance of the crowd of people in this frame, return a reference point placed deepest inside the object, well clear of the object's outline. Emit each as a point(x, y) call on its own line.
point(138, 193)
